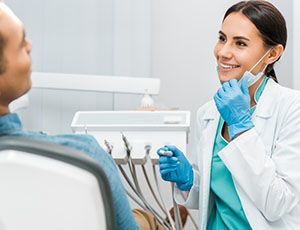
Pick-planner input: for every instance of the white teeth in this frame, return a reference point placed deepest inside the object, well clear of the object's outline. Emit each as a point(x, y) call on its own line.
point(229, 66)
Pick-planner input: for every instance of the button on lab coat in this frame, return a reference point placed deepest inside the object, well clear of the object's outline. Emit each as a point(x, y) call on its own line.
point(264, 161)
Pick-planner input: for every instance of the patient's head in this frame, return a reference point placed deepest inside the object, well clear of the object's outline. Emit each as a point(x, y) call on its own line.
point(15, 60)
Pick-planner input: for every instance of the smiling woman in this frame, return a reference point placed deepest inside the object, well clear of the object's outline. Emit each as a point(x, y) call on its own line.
point(247, 34)
point(245, 173)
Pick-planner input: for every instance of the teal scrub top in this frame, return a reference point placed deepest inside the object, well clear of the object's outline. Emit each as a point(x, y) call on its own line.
point(227, 211)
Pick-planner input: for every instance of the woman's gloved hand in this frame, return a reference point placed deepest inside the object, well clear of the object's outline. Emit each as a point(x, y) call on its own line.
point(233, 104)
point(176, 168)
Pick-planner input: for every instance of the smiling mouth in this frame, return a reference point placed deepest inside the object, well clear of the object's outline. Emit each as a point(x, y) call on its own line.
point(227, 67)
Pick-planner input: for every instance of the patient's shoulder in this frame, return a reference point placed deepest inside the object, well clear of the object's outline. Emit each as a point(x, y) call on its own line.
point(77, 141)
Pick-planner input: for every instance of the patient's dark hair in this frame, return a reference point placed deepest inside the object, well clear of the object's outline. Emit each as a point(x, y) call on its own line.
point(269, 22)
point(2, 58)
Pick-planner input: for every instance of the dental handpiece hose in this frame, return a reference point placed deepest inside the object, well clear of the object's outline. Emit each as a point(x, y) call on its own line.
point(175, 167)
point(178, 224)
point(136, 186)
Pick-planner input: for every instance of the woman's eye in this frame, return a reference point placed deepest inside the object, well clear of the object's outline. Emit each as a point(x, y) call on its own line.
point(240, 43)
point(222, 38)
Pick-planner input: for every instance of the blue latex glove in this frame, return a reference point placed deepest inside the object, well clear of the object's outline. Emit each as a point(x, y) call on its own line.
point(233, 103)
point(176, 168)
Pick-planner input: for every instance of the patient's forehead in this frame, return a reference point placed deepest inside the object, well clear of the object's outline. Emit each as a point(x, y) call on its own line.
point(5, 11)
point(11, 27)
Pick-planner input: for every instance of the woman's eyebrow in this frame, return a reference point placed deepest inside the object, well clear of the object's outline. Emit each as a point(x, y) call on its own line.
point(235, 37)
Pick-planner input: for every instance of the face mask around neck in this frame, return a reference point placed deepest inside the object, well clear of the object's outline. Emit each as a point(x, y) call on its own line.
point(253, 78)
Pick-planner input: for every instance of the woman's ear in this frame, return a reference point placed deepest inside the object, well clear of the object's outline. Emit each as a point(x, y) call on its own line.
point(275, 53)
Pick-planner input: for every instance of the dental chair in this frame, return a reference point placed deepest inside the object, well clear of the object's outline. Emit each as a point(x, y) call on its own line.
point(44, 186)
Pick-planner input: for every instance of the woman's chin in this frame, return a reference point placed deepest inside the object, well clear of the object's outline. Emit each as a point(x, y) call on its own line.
point(224, 79)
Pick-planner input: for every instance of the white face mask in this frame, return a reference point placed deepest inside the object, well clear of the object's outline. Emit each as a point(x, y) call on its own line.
point(254, 78)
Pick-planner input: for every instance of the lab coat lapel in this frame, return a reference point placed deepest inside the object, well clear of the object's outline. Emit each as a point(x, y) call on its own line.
point(210, 120)
point(266, 105)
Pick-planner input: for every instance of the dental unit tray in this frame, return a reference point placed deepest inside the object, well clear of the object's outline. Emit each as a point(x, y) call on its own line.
point(131, 121)
point(141, 128)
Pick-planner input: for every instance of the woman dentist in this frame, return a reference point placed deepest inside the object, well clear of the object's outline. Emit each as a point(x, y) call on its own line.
point(246, 174)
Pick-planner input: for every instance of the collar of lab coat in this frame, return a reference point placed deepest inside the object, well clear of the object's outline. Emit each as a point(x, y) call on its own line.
point(264, 108)
point(266, 104)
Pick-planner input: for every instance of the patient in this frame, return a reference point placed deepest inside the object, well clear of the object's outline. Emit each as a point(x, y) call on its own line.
point(15, 71)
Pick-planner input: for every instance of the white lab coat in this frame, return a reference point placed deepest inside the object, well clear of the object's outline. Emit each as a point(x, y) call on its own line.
point(264, 161)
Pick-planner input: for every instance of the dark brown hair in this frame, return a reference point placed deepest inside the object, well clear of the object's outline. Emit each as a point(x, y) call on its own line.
point(269, 22)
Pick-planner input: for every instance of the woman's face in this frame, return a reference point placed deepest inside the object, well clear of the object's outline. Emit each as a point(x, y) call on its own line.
point(239, 48)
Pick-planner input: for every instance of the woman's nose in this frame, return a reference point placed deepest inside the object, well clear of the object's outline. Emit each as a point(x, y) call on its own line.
point(225, 51)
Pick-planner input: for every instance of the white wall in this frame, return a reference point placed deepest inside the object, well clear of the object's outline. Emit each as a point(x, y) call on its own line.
point(296, 39)
point(132, 45)
point(284, 67)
